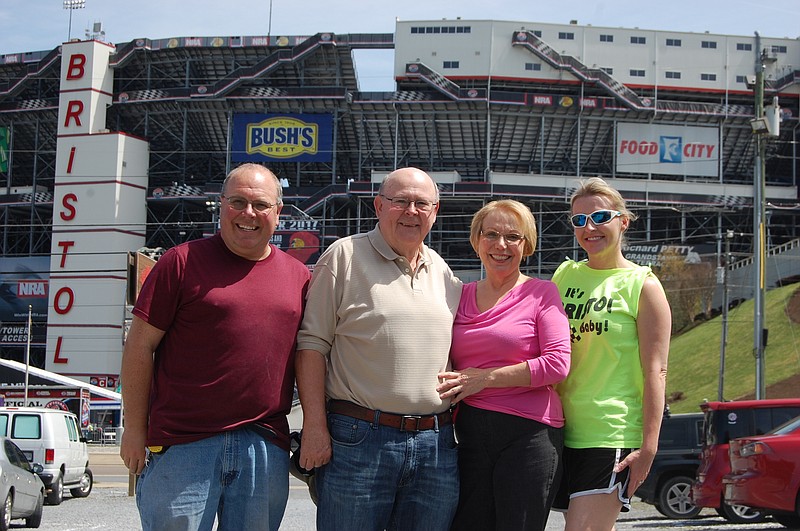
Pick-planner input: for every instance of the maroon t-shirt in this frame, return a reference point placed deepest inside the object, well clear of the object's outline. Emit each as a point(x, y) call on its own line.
point(227, 358)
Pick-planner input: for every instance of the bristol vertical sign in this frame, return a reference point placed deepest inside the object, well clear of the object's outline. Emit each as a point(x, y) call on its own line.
point(99, 214)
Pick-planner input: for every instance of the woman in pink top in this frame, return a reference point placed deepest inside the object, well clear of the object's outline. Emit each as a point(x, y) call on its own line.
point(510, 347)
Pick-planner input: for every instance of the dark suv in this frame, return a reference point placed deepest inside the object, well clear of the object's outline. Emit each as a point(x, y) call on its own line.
point(669, 484)
point(729, 420)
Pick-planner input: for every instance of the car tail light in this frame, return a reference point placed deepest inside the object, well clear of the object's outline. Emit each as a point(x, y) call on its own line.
point(754, 448)
point(49, 456)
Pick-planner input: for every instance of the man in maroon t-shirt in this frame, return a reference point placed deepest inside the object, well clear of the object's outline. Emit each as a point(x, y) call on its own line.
point(207, 370)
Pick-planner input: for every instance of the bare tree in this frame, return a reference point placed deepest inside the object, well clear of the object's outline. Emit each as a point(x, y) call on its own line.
point(689, 287)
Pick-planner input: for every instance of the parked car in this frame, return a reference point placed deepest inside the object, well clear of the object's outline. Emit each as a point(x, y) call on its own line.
point(669, 484)
point(51, 437)
point(765, 473)
point(725, 421)
point(21, 490)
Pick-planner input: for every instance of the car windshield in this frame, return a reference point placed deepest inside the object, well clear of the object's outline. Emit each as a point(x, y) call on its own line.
point(787, 427)
point(725, 424)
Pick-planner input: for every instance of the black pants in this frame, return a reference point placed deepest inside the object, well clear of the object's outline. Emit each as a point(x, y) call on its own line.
point(510, 469)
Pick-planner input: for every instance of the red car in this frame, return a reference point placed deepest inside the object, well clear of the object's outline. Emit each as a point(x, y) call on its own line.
point(765, 473)
point(725, 421)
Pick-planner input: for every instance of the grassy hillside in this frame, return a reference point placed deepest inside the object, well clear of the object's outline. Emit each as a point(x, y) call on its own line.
point(695, 355)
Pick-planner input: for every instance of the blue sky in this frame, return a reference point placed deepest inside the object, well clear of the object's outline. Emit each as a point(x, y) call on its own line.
point(32, 25)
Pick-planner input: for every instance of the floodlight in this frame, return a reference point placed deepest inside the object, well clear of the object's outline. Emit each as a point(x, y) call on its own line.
point(72, 5)
point(759, 126)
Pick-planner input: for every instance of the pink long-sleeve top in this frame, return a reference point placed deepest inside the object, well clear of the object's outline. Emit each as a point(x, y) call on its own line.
point(528, 324)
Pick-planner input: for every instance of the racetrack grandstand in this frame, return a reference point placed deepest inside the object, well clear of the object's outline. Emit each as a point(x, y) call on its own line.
point(492, 109)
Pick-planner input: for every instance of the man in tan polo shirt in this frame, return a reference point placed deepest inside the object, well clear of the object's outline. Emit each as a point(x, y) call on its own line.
point(375, 334)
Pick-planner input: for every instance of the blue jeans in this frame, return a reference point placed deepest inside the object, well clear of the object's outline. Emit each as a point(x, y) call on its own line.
point(236, 477)
point(383, 478)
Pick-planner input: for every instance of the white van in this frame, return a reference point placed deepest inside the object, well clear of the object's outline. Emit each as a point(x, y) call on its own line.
point(51, 438)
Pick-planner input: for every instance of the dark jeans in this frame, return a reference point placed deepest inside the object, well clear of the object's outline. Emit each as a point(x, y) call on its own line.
point(510, 470)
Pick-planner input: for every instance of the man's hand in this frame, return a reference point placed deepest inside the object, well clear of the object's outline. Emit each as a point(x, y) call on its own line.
point(132, 450)
point(315, 447)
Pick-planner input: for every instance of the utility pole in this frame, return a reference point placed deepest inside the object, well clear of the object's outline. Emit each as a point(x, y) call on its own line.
point(763, 126)
point(759, 222)
point(724, 339)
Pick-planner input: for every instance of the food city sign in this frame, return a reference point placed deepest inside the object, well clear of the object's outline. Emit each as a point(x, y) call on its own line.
point(667, 150)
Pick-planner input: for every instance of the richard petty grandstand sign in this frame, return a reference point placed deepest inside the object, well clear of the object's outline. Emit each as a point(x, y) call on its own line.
point(667, 150)
point(282, 137)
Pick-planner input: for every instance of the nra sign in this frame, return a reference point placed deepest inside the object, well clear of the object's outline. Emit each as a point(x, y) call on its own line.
point(32, 288)
point(24, 288)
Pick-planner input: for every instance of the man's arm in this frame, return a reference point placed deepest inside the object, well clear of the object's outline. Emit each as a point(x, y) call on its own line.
point(136, 376)
point(310, 369)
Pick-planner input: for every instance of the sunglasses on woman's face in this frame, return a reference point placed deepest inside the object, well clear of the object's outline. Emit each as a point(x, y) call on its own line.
point(598, 217)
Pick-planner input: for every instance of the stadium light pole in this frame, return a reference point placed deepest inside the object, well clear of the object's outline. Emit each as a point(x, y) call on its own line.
point(72, 5)
point(269, 26)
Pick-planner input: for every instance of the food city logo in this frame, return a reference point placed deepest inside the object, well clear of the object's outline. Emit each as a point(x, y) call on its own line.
point(282, 137)
point(579, 311)
point(670, 149)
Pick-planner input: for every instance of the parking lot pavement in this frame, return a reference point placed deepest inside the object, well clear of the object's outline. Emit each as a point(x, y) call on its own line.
point(111, 509)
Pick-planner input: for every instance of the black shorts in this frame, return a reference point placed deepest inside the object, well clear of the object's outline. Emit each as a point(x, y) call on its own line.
point(591, 471)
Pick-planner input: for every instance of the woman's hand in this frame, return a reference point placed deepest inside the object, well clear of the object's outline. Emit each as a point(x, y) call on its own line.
point(639, 462)
point(457, 385)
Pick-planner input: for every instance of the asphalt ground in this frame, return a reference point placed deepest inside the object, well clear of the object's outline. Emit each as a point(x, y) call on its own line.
point(110, 507)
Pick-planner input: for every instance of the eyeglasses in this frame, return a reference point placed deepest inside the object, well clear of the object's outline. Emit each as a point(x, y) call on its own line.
point(240, 203)
point(402, 203)
point(598, 217)
point(511, 238)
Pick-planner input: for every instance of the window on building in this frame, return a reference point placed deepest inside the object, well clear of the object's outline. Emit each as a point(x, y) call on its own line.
point(638, 40)
point(778, 49)
point(450, 64)
point(606, 38)
point(538, 33)
point(744, 46)
point(741, 79)
point(637, 73)
point(533, 66)
point(709, 44)
point(607, 70)
point(673, 42)
point(419, 30)
point(566, 36)
point(672, 75)
point(708, 77)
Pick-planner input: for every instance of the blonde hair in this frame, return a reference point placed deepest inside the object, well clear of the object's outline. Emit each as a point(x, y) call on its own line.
point(595, 186)
point(516, 209)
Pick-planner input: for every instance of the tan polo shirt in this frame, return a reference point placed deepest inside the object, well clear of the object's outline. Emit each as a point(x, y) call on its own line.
point(384, 329)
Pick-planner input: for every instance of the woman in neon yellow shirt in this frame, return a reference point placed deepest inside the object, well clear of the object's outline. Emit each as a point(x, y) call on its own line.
point(613, 396)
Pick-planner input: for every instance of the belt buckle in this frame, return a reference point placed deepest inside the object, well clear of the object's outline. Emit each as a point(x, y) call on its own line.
point(413, 420)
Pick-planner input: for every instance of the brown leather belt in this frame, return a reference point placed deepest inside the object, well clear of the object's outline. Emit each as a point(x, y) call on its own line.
point(398, 422)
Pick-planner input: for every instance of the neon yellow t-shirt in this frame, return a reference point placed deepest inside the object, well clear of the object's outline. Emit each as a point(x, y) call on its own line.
point(602, 395)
